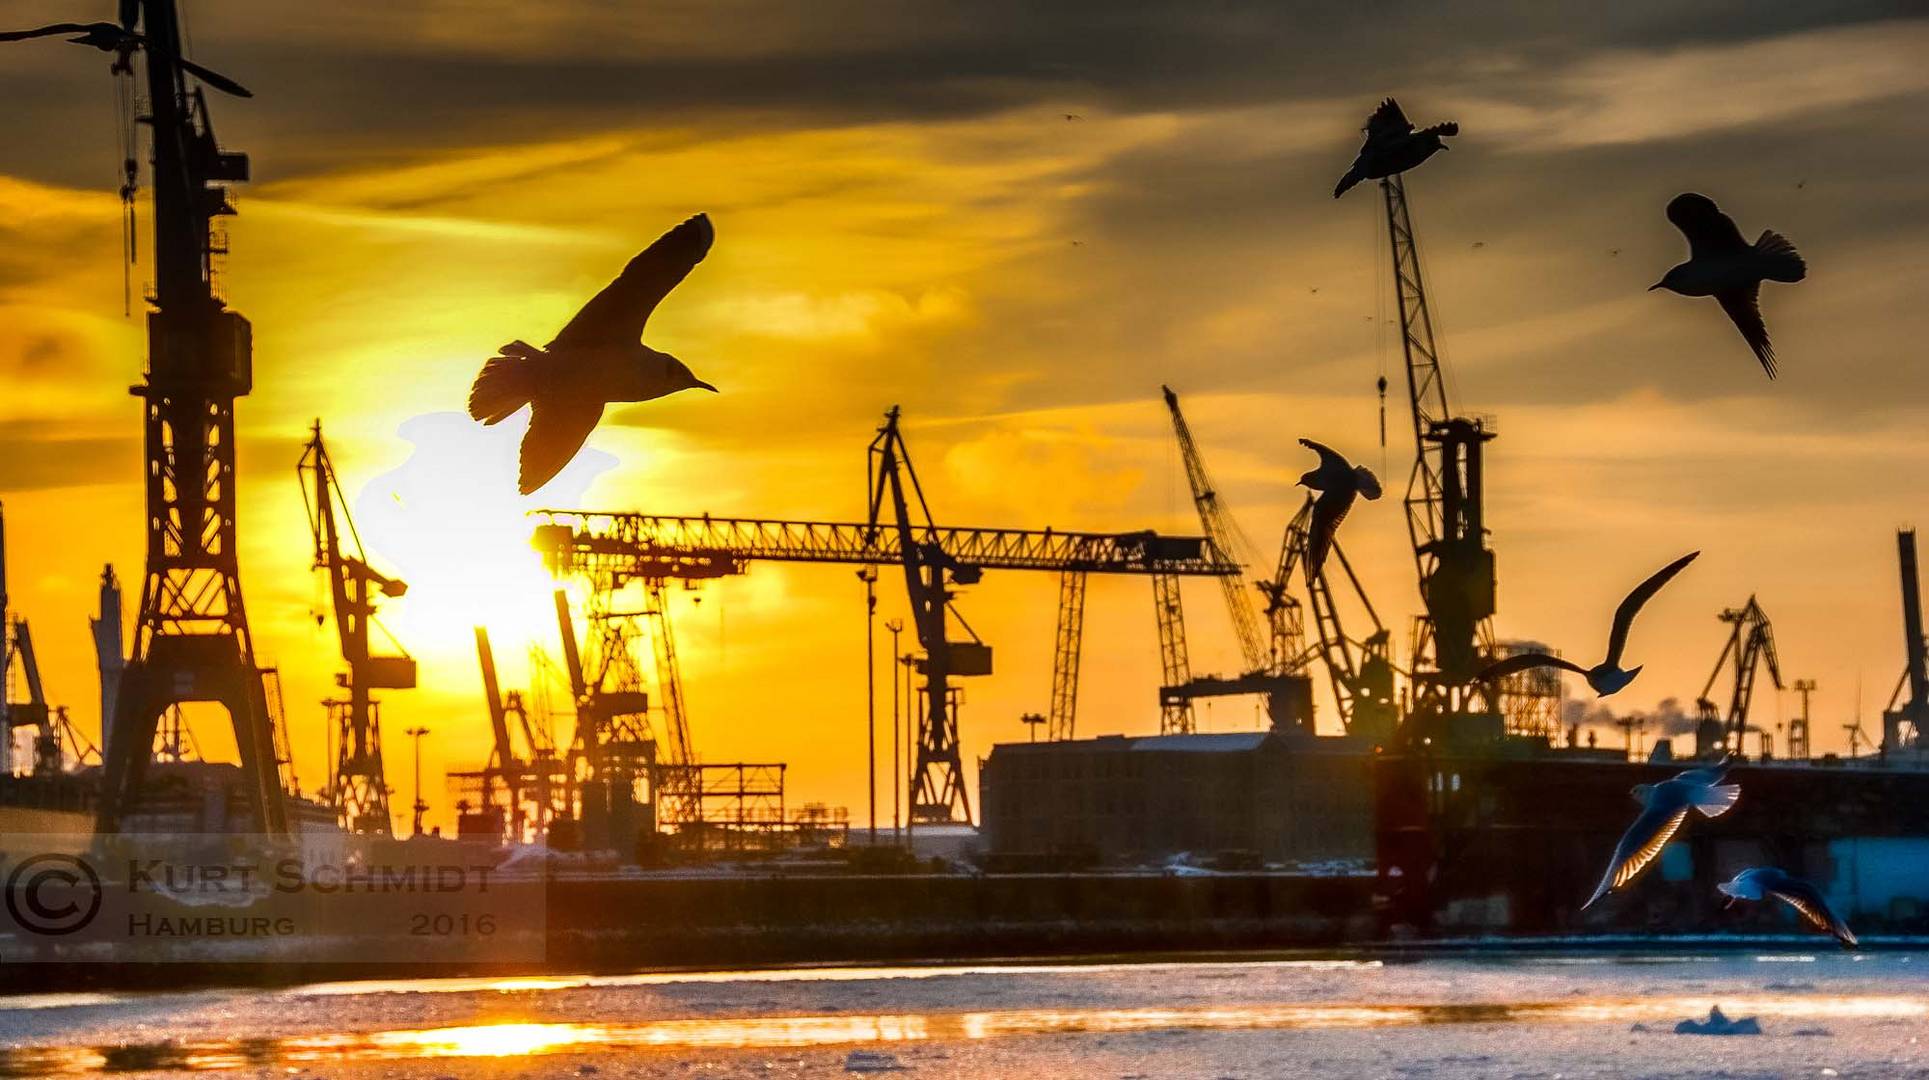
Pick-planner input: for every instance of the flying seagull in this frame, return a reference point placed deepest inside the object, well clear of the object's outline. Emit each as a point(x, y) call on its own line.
point(1723, 265)
point(1608, 676)
point(1339, 482)
point(1762, 882)
point(596, 359)
point(1392, 146)
point(108, 37)
point(1664, 809)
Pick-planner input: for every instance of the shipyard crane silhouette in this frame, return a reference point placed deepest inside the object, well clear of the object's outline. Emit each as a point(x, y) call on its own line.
point(518, 792)
point(358, 787)
point(1750, 645)
point(1274, 670)
point(1455, 633)
point(936, 560)
point(1906, 718)
point(1359, 668)
point(191, 640)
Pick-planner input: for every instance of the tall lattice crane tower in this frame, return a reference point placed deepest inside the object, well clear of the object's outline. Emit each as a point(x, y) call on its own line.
point(1444, 507)
point(191, 638)
point(358, 785)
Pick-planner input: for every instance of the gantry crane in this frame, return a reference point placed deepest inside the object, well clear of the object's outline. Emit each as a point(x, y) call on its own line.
point(358, 787)
point(1274, 670)
point(1443, 503)
point(1750, 644)
point(936, 560)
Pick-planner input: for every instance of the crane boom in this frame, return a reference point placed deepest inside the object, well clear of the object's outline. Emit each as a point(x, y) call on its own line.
point(1223, 534)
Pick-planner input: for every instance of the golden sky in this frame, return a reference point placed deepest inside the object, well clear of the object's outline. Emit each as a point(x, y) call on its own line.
point(904, 216)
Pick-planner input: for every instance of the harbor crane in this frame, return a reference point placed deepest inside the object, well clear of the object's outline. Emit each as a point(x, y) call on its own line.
point(1360, 669)
point(520, 791)
point(937, 560)
point(192, 641)
point(1444, 507)
point(1906, 718)
point(1750, 645)
point(358, 787)
point(1273, 670)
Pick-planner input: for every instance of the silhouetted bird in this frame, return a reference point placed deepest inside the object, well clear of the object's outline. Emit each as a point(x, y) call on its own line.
point(1392, 146)
point(1723, 265)
point(1073, 116)
point(596, 359)
point(1762, 882)
point(1606, 677)
point(108, 37)
point(1478, 244)
point(1612, 252)
point(1664, 809)
point(1339, 482)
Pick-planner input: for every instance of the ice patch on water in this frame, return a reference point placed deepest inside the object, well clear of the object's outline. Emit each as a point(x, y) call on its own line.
point(1718, 1024)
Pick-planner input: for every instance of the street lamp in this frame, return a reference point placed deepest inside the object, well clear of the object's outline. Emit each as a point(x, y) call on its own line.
point(868, 576)
point(895, 626)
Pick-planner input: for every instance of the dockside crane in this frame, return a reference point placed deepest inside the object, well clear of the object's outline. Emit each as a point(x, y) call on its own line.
point(1750, 645)
point(1275, 669)
point(1360, 668)
point(1455, 634)
point(1904, 721)
point(358, 787)
point(527, 787)
point(937, 560)
point(192, 641)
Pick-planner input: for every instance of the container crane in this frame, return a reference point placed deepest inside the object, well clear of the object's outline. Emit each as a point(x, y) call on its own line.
point(358, 787)
point(1750, 644)
point(936, 560)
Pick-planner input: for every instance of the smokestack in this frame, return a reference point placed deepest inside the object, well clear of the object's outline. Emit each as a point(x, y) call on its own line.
point(108, 651)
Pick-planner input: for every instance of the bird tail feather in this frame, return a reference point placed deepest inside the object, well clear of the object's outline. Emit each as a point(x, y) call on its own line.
point(1368, 483)
point(1779, 259)
point(506, 384)
point(1717, 799)
point(1353, 176)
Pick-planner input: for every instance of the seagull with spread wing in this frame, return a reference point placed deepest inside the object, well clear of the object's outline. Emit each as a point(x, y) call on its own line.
point(1723, 265)
point(1764, 882)
point(1392, 146)
point(595, 360)
point(1338, 482)
point(108, 37)
point(1664, 809)
point(1607, 676)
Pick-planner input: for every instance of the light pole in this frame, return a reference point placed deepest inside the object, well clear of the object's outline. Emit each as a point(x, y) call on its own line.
point(868, 576)
point(415, 735)
point(895, 626)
